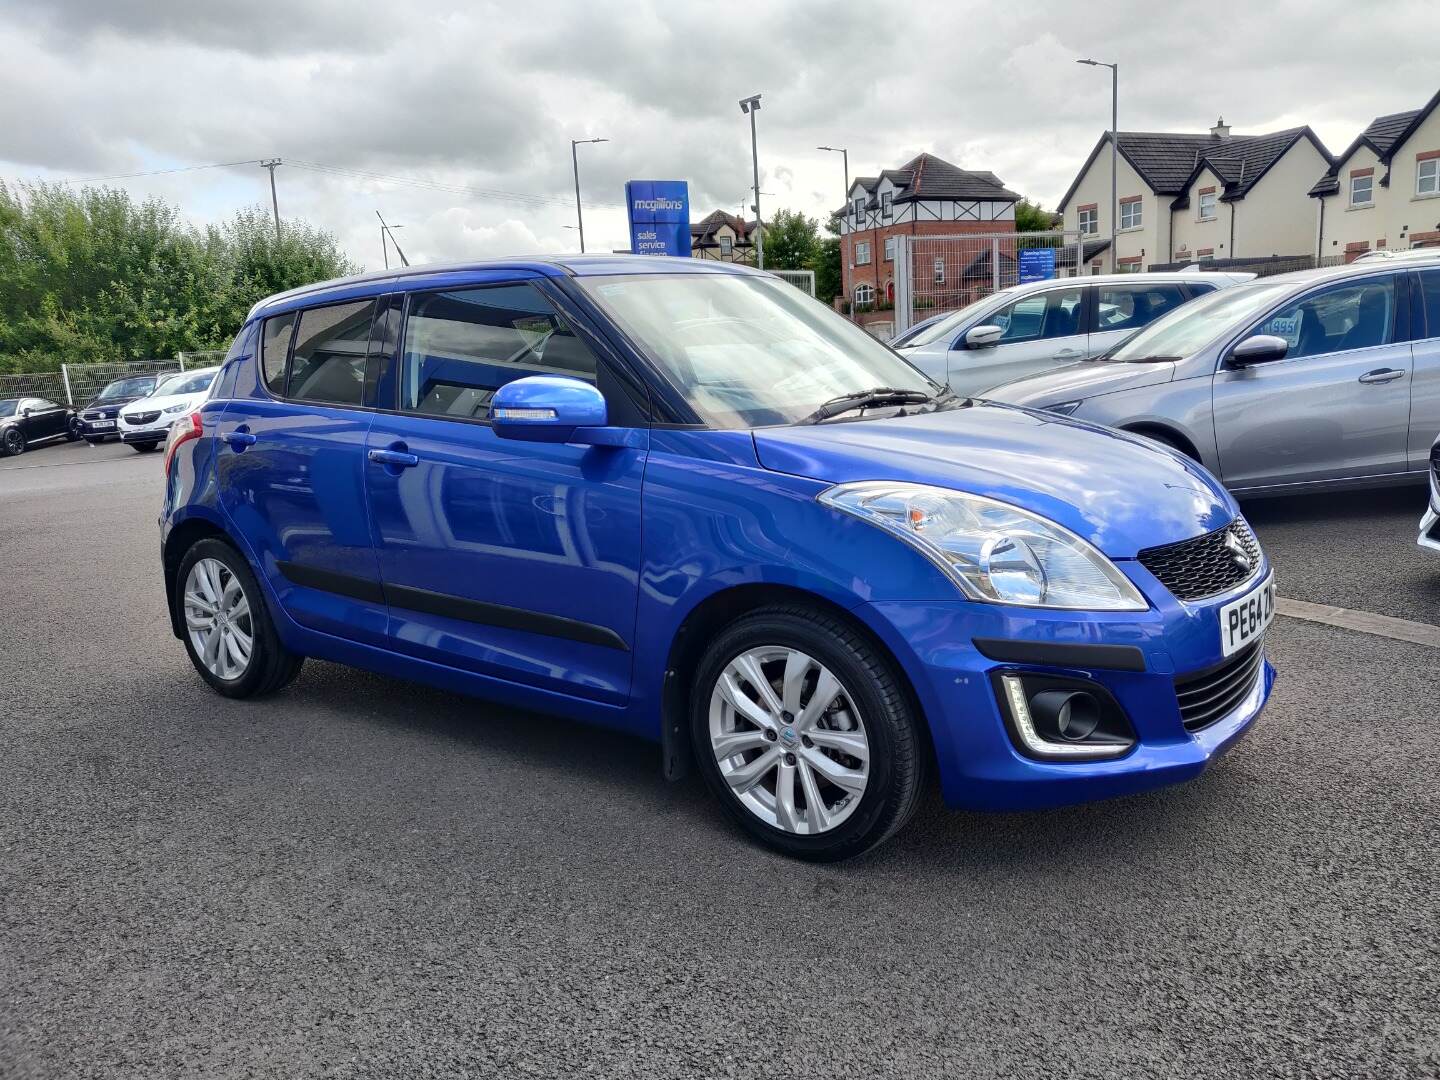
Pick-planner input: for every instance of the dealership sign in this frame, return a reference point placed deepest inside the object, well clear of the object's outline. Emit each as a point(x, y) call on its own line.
point(1037, 264)
point(659, 216)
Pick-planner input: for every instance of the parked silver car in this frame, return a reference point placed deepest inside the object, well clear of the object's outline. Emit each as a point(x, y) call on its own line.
point(1315, 379)
point(1044, 324)
point(1430, 523)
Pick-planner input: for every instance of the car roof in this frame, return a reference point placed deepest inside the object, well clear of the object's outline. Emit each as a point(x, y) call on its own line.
point(547, 266)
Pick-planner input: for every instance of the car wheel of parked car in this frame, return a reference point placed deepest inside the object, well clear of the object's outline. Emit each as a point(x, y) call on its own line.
point(228, 631)
point(73, 432)
point(804, 733)
point(12, 442)
point(144, 447)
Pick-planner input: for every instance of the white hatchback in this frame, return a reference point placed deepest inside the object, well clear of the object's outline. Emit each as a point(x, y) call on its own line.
point(144, 424)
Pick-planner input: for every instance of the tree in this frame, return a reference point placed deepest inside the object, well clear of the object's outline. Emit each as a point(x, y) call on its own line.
point(790, 241)
point(829, 282)
point(1029, 217)
point(90, 275)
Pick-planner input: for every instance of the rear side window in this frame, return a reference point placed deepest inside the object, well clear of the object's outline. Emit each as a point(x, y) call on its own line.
point(330, 350)
point(1129, 307)
point(276, 344)
point(462, 345)
point(1430, 287)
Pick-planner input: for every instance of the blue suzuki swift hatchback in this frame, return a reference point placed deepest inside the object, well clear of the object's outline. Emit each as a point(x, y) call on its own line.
point(684, 500)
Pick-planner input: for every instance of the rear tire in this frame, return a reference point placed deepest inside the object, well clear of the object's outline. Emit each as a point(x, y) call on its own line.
point(865, 765)
point(207, 596)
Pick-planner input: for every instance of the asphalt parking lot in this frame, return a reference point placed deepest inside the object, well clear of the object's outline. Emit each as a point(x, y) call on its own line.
point(364, 878)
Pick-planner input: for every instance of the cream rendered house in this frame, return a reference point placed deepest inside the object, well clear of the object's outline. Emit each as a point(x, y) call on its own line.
point(1384, 190)
point(1190, 197)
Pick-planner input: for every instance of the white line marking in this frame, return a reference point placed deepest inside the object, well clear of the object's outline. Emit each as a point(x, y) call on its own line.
point(1363, 622)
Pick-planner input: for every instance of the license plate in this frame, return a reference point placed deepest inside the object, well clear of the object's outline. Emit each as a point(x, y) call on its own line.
point(101, 424)
point(1243, 621)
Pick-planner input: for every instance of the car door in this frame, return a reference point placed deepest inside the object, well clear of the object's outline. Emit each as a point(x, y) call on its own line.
point(1041, 330)
point(291, 470)
point(1122, 308)
point(45, 419)
point(1425, 351)
point(1337, 405)
point(518, 560)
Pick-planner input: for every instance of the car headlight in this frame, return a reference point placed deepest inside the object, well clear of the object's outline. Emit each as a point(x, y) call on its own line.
point(1064, 408)
point(992, 551)
point(175, 408)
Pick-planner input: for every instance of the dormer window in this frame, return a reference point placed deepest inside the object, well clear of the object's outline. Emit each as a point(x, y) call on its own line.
point(725, 247)
point(886, 210)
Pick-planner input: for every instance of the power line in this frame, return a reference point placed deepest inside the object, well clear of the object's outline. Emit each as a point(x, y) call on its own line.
point(528, 198)
point(158, 172)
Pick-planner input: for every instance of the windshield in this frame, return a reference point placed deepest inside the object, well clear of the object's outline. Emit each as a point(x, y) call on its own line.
point(940, 328)
point(188, 383)
point(1190, 328)
point(128, 388)
point(748, 351)
point(7, 408)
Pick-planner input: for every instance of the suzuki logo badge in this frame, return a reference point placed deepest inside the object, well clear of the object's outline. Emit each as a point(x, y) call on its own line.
point(1238, 552)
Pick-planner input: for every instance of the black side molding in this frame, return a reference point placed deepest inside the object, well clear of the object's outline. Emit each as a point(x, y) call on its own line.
point(1112, 657)
point(453, 607)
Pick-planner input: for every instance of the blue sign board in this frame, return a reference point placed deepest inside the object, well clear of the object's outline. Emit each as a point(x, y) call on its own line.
point(1036, 264)
point(659, 217)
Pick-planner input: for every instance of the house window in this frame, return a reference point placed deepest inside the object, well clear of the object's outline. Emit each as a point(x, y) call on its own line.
point(1207, 206)
point(862, 253)
point(864, 295)
point(725, 247)
point(939, 270)
point(886, 211)
point(1089, 220)
point(1130, 215)
point(859, 209)
point(889, 249)
point(1427, 177)
point(1362, 188)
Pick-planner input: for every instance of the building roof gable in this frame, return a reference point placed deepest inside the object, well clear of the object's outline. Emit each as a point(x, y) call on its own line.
point(1384, 136)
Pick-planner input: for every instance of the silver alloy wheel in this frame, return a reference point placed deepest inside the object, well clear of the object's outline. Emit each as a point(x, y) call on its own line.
point(789, 740)
point(218, 619)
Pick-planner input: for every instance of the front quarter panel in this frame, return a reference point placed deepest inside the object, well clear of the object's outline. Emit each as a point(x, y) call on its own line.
point(1181, 407)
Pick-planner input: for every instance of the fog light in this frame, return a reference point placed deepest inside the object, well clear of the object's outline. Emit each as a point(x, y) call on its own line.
point(1059, 723)
point(1072, 714)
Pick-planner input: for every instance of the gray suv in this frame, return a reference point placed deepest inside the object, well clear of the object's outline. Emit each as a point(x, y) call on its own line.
point(1323, 378)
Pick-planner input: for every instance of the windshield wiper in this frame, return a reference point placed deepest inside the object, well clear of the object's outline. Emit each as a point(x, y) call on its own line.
point(866, 399)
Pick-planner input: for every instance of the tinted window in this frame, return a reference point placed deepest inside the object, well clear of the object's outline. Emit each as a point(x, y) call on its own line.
point(1430, 286)
point(1050, 314)
point(463, 345)
point(1355, 315)
point(329, 359)
point(273, 350)
point(1129, 307)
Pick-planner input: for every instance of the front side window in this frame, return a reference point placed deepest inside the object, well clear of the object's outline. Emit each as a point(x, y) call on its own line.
point(328, 364)
point(1130, 215)
point(862, 253)
point(274, 347)
point(462, 345)
point(1362, 187)
point(1356, 315)
point(747, 351)
point(1427, 177)
point(1207, 206)
point(1129, 307)
point(1051, 314)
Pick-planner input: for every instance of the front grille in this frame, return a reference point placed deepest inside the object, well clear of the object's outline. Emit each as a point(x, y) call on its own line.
point(1213, 694)
point(1206, 565)
point(139, 419)
point(99, 414)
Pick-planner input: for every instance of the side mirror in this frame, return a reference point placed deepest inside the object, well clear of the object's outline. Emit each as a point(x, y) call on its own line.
point(24, 413)
point(554, 409)
point(982, 337)
point(1260, 349)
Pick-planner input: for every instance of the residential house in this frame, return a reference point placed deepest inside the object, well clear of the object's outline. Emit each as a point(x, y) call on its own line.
point(927, 196)
point(1384, 190)
point(724, 237)
point(1190, 197)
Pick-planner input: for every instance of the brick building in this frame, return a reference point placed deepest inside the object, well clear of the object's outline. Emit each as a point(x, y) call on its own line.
point(926, 196)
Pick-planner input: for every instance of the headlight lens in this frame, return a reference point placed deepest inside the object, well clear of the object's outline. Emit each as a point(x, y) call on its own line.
point(993, 551)
point(175, 408)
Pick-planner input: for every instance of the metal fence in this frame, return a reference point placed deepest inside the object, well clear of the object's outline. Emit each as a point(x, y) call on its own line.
point(77, 384)
point(1262, 266)
point(804, 280)
point(942, 273)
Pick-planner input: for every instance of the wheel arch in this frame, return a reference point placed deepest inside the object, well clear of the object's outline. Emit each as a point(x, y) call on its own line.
point(1166, 433)
point(182, 537)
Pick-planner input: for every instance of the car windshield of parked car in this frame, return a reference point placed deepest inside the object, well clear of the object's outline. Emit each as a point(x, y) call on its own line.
point(7, 408)
point(942, 328)
point(750, 351)
point(1188, 329)
point(189, 383)
point(127, 388)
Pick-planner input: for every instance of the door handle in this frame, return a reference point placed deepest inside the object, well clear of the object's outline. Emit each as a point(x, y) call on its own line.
point(239, 438)
point(397, 458)
point(1382, 375)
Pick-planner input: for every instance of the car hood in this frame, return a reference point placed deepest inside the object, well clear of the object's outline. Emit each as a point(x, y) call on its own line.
point(109, 403)
point(151, 404)
point(1119, 491)
point(1085, 379)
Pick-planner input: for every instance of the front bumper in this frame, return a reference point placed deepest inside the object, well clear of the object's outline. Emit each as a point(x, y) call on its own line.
point(980, 765)
point(149, 433)
point(1430, 528)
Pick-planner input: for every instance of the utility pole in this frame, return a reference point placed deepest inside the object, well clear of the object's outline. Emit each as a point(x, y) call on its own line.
point(845, 157)
point(751, 106)
point(575, 162)
point(274, 201)
point(1114, 158)
point(390, 231)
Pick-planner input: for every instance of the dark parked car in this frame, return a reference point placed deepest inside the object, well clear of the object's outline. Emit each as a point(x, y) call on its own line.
point(97, 419)
point(32, 421)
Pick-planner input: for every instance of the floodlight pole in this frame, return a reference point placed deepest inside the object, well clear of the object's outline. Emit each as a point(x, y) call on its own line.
point(751, 105)
point(575, 162)
point(1114, 158)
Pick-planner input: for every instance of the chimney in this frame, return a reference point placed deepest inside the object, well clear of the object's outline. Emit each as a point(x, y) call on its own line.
point(1221, 130)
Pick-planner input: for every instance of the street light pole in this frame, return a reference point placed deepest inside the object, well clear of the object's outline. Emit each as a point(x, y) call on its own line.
point(575, 162)
point(274, 201)
point(1114, 157)
point(845, 157)
point(751, 105)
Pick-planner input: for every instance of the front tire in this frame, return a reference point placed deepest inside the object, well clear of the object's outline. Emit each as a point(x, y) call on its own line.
point(804, 733)
point(12, 442)
point(229, 635)
point(144, 447)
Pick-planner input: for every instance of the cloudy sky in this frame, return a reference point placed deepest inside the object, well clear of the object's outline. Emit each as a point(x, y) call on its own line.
point(486, 96)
